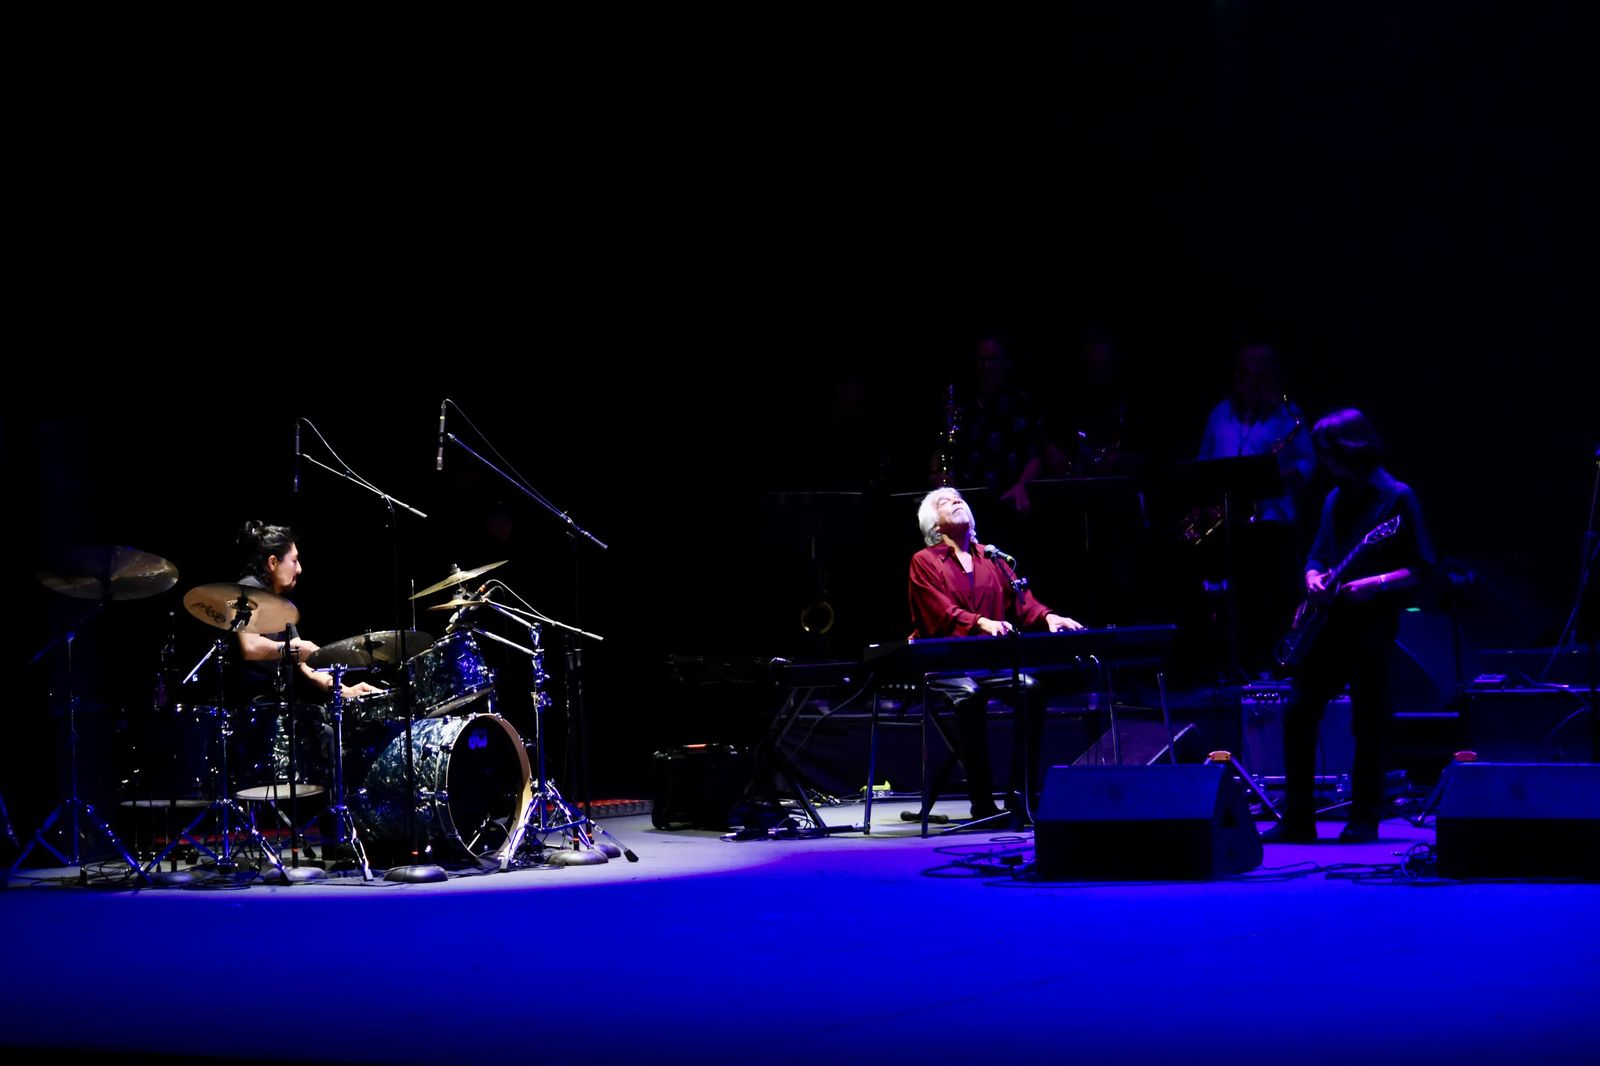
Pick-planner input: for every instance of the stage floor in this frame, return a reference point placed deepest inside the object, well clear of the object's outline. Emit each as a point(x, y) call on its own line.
point(847, 948)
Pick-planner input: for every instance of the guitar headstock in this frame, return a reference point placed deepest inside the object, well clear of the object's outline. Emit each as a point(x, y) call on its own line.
point(1383, 531)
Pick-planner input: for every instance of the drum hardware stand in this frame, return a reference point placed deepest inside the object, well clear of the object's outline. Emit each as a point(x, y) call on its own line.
point(555, 813)
point(292, 871)
point(224, 805)
point(73, 804)
point(417, 872)
point(344, 823)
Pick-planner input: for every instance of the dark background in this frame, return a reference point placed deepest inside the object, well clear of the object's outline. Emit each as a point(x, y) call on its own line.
point(670, 264)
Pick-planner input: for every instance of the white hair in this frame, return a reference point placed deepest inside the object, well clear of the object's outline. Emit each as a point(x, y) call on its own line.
point(928, 517)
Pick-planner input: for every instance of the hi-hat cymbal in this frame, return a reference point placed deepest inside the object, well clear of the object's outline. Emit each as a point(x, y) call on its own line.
point(458, 577)
point(387, 646)
point(219, 605)
point(108, 572)
point(450, 605)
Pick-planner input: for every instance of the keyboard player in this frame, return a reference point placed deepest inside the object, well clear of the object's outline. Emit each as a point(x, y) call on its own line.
point(960, 587)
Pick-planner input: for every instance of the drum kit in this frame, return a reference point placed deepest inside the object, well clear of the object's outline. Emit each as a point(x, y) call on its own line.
point(424, 769)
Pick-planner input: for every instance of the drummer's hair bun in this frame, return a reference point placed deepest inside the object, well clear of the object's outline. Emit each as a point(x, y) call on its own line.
point(257, 542)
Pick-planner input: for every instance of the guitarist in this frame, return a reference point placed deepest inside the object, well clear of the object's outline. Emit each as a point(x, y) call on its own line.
point(1364, 602)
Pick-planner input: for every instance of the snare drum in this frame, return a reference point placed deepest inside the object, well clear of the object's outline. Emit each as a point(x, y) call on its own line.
point(260, 752)
point(475, 781)
point(379, 707)
point(449, 674)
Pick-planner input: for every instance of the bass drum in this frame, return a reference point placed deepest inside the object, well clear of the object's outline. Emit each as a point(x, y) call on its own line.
point(475, 780)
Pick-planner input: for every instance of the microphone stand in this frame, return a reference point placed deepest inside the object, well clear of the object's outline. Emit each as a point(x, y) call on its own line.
point(577, 714)
point(573, 529)
point(416, 872)
point(1022, 720)
point(1019, 587)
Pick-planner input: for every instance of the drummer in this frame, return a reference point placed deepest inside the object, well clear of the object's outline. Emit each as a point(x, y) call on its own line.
point(271, 561)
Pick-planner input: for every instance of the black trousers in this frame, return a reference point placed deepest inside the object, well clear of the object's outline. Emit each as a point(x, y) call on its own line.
point(968, 696)
point(1351, 650)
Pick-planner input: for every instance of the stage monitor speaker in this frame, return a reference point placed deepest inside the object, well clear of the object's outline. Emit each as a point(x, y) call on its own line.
point(1519, 820)
point(1143, 823)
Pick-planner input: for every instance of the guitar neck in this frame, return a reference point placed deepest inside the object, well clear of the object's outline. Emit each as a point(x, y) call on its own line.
point(1379, 532)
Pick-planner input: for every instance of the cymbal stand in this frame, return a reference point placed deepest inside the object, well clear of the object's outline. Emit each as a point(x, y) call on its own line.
point(554, 813)
point(73, 804)
point(224, 806)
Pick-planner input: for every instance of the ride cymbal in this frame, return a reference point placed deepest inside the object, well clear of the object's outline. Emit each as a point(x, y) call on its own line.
point(387, 646)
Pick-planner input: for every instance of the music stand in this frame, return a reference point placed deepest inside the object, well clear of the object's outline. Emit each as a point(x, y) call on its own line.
point(1243, 478)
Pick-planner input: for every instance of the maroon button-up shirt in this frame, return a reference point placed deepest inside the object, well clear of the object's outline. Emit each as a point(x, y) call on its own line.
point(946, 601)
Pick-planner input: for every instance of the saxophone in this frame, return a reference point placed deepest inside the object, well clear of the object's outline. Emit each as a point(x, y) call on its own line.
point(947, 438)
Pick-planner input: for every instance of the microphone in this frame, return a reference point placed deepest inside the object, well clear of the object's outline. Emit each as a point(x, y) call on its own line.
point(450, 627)
point(1009, 560)
point(438, 459)
point(297, 457)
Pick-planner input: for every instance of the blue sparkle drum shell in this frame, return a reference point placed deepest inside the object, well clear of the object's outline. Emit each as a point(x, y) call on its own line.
point(448, 675)
point(475, 784)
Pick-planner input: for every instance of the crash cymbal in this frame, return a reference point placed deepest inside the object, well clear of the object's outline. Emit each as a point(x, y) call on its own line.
point(218, 605)
point(388, 646)
point(457, 577)
point(108, 572)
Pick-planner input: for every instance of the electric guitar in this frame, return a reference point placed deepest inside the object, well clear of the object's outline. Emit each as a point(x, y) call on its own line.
point(1310, 617)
